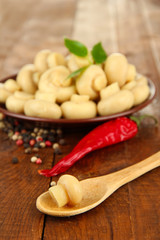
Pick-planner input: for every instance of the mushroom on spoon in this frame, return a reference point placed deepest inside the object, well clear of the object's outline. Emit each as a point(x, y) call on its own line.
point(96, 190)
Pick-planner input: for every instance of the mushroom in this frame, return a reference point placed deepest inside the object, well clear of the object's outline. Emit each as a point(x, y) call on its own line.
point(15, 103)
point(67, 191)
point(40, 60)
point(40, 108)
point(4, 94)
point(54, 59)
point(131, 73)
point(91, 81)
point(116, 68)
point(109, 90)
point(56, 81)
point(11, 85)
point(118, 102)
point(25, 79)
point(79, 107)
point(75, 62)
point(140, 91)
point(49, 97)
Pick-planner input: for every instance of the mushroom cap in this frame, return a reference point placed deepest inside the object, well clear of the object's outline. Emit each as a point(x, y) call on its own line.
point(73, 188)
point(116, 68)
point(118, 102)
point(4, 94)
point(40, 108)
point(91, 81)
point(54, 59)
point(25, 80)
point(40, 60)
point(15, 104)
point(11, 85)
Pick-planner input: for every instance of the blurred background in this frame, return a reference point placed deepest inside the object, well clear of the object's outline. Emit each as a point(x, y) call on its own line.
point(128, 26)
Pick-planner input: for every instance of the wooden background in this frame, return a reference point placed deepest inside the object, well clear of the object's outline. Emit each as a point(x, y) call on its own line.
point(131, 27)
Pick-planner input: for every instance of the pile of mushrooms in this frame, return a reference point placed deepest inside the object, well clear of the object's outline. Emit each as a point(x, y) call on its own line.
point(45, 88)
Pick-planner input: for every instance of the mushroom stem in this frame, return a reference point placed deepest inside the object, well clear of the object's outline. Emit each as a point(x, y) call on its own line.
point(59, 193)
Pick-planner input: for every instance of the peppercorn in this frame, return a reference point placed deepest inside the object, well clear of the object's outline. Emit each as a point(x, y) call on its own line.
point(42, 144)
point(45, 131)
point(19, 142)
point(53, 183)
point(32, 142)
point(35, 130)
point(48, 143)
point(55, 145)
point(39, 139)
point(10, 134)
point(38, 161)
point(33, 134)
point(62, 141)
point(28, 150)
point(35, 149)
point(33, 159)
point(20, 137)
point(14, 160)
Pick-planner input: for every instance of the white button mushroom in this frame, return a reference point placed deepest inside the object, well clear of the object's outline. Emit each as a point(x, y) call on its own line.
point(79, 107)
point(91, 81)
point(75, 62)
point(49, 97)
point(11, 85)
point(40, 108)
point(109, 90)
point(131, 73)
point(40, 60)
point(67, 191)
point(54, 59)
point(15, 104)
point(25, 79)
point(55, 81)
point(118, 102)
point(4, 94)
point(116, 68)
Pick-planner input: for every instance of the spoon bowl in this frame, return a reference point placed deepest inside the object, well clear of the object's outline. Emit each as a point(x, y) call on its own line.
point(96, 190)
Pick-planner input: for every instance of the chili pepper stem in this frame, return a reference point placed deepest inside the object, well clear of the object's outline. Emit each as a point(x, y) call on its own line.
point(138, 119)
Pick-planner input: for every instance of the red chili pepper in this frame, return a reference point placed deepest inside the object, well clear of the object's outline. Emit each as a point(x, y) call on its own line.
point(109, 133)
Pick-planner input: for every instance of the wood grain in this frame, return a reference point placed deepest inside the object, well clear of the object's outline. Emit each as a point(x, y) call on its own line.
point(131, 27)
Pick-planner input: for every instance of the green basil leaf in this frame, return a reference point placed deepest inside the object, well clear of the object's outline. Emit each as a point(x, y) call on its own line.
point(98, 53)
point(76, 47)
point(77, 72)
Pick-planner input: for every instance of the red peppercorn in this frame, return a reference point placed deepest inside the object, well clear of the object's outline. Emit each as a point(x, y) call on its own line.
point(19, 142)
point(32, 142)
point(48, 143)
point(17, 133)
point(38, 161)
point(23, 131)
point(39, 139)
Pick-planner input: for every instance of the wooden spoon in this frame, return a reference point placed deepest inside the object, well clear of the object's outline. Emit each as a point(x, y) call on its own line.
point(96, 190)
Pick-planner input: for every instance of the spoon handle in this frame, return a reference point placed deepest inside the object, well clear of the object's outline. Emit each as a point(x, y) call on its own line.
point(130, 173)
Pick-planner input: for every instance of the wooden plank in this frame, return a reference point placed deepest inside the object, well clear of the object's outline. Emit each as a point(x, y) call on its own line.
point(144, 212)
point(40, 27)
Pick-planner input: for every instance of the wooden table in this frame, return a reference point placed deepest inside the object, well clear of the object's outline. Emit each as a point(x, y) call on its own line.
point(130, 27)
